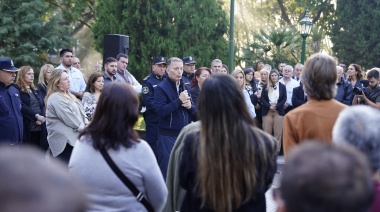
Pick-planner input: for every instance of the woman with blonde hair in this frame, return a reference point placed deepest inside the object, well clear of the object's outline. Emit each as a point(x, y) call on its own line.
point(65, 116)
point(273, 98)
point(33, 108)
point(238, 74)
point(228, 164)
point(43, 78)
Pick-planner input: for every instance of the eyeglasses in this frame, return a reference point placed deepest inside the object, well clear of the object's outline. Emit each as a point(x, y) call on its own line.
point(76, 63)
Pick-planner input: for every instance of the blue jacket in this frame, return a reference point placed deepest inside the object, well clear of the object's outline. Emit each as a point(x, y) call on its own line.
point(298, 97)
point(187, 79)
point(11, 127)
point(149, 86)
point(172, 116)
point(344, 92)
point(280, 102)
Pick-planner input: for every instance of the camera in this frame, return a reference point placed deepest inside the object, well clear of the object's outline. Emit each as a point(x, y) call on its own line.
point(361, 91)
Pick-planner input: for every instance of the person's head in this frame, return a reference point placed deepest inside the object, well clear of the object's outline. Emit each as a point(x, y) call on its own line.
point(201, 74)
point(216, 66)
point(28, 182)
point(226, 140)
point(373, 78)
point(45, 72)
point(297, 70)
point(281, 66)
point(224, 69)
point(322, 177)
point(76, 63)
point(122, 61)
point(248, 74)
point(343, 65)
point(159, 66)
point(259, 65)
point(189, 65)
point(287, 72)
point(319, 77)
point(359, 127)
point(7, 71)
point(25, 78)
point(355, 72)
point(95, 83)
point(110, 66)
point(264, 75)
point(273, 77)
point(238, 74)
point(98, 67)
point(339, 73)
point(175, 69)
point(59, 82)
point(66, 57)
point(110, 109)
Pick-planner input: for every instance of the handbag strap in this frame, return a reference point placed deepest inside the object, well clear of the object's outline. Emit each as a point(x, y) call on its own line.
point(139, 195)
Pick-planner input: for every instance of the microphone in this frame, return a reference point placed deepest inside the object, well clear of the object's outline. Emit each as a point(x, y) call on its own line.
point(182, 85)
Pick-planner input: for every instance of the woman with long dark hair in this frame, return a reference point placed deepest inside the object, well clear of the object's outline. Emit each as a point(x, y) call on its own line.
point(228, 164)
point(111, 130)
point(91, 95)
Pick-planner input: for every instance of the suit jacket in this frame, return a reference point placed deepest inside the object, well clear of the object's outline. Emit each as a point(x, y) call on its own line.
point(280, 102)
point(298, 97)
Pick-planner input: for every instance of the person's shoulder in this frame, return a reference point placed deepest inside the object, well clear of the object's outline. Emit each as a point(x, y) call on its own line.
point(146, 78)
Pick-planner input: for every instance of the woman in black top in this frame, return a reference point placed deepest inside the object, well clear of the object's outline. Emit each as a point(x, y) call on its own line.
point(228, 164)
point(32, 109)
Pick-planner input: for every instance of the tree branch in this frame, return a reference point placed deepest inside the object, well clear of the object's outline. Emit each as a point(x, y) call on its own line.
point(284, 15)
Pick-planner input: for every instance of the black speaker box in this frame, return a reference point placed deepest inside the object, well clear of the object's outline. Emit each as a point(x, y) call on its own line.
point(115, 44)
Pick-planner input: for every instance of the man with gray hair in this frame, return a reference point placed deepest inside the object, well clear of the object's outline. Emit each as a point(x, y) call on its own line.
point(290, 84)
point(297, 71)
point(216, 66)
point(362, 132)
point(344, 92)
point(175, 110)
point(315, 119)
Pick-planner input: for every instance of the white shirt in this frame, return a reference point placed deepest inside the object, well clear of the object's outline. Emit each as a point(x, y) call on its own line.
point(292, 83)
point(274, 95)
point(77, 83)
point(251, 108)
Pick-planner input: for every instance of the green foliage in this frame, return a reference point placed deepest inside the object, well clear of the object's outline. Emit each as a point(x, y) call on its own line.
point(168, 28)
point(273, 47)
point(355, 32)
point(30, 31)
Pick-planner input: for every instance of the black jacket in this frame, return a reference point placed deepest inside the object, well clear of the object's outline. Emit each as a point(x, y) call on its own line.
point(280, 102)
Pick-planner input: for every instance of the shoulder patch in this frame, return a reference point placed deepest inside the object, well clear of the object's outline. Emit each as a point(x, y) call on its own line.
point(145, 90)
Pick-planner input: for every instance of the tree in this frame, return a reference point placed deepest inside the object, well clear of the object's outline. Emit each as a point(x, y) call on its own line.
point(273, 46)
point(168, 28)
point(355, 34)
point(30, 32)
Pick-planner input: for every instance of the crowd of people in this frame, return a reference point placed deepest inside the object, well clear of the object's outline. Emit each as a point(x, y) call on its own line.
point(212, 139)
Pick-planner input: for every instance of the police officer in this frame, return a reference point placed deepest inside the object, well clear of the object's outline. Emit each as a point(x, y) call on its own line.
point(149, 111)
point(11, 126)
point(188, 70)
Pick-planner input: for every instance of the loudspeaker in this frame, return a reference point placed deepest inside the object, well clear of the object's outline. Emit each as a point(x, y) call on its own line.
point(115, 44)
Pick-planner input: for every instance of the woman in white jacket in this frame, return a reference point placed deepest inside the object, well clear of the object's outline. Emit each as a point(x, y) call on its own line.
point(238, 74)
point(65, 116)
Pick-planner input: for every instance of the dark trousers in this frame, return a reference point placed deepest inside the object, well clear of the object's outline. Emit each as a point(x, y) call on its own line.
point(164, 148)
point(66, 154)
point(152, 135)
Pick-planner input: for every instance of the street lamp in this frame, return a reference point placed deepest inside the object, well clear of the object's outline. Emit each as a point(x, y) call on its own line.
point(305, 28)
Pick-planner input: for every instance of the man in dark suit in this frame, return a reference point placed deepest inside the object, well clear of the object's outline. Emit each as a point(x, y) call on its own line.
point(299, 96)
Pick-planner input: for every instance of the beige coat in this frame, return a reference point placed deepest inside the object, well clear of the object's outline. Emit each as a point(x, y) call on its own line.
point(64, 119)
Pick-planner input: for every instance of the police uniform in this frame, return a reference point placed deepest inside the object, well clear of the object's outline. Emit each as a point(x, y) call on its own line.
point(185, 76)
point(149, 85)
point(11, 126)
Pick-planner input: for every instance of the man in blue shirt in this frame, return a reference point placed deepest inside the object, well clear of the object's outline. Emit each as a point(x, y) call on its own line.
point(174, 108)
point(149, 85)
point(110, 67)
point(11, 126)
